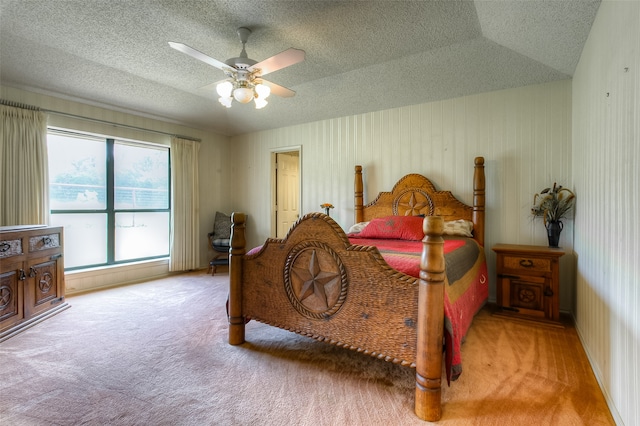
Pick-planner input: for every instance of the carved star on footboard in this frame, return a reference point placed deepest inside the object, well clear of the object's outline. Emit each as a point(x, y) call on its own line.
point(315, 279)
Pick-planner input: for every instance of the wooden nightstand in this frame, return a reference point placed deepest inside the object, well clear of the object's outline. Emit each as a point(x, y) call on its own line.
point(528, 284)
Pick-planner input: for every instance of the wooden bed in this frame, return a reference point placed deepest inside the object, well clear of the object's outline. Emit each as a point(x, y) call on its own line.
point(369, 307)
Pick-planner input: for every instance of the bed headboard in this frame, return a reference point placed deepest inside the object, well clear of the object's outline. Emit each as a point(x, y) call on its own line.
point(414, 194)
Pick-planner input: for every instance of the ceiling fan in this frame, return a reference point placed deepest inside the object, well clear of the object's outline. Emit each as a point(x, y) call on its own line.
point(244, 75)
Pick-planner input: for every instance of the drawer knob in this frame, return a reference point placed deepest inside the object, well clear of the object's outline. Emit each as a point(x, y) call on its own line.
point(526, 263)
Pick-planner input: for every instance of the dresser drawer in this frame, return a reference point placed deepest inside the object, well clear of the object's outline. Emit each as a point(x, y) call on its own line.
point(44, 242)
point(526, 263)
point(10, 248)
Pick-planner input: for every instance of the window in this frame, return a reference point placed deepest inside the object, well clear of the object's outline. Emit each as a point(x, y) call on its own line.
point(111, 196)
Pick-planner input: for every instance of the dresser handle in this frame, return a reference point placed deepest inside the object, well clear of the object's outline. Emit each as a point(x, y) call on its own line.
point(526, 263)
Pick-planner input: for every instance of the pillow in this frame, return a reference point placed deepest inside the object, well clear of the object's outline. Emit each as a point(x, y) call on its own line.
point(394, 227)
point(358, 227)
point(459, 228)
point(222, 227)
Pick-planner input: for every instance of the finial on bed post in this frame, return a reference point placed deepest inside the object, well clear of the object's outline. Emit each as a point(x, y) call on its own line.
point(430, 322)
point(478, 200)
point(238, 243)
point(357, 187)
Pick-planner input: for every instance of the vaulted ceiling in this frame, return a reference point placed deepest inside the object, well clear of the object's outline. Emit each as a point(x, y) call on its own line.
point(361, 56)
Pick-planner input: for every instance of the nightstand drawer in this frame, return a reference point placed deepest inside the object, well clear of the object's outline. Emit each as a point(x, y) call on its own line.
point(524, 263)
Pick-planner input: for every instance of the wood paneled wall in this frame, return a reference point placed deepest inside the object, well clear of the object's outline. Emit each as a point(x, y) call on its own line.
point(606, 146)
point(523, 133)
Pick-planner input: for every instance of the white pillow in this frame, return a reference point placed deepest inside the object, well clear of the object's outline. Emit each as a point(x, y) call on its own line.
point(358, 227)
point(460, 228)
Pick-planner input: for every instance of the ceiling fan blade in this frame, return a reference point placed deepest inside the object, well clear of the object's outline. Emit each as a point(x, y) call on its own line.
point(198, 55)
point(281, 60)
point(281, 91)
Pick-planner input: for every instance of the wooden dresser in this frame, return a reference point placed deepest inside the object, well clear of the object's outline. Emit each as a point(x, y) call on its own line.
point(528, 284)
point(31, 276)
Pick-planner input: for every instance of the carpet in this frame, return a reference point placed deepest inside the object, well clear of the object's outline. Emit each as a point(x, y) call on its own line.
point(156, 353)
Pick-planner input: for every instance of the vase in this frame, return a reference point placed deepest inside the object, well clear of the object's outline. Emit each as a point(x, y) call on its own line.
point(553, 232)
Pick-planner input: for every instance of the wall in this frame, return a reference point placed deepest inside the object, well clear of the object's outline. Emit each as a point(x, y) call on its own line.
point(213, 174)
point(606, 146)
point(523, 133)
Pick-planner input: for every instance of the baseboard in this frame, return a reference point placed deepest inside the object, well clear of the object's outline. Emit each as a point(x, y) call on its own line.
point(598, 375)
point(87, 280)
point(33, 321)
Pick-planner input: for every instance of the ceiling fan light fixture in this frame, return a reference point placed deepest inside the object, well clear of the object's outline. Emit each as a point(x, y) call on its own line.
point(243, 95)
point(263, 91)
point(261, 103)
point(226, 101)
point(224, 89)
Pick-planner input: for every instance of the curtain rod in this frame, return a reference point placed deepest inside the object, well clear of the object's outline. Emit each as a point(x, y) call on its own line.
point(96, 120)
point(18, 105)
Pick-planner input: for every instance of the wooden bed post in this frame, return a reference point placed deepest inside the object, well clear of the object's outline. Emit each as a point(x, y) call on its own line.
point(238, 243)
point(430, 322)
point(478, 200)
point(358, 189)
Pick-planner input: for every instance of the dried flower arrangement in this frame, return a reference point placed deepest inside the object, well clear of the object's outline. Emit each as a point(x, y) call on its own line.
point(553, 204)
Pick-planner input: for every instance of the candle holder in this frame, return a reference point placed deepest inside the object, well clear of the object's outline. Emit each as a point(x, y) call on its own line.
point(326, 207)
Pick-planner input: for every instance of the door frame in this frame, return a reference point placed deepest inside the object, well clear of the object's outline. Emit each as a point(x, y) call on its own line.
point(274, 189)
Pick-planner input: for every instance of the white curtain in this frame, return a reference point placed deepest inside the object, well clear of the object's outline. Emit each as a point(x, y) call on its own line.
point(185, 205)
point(24, 171)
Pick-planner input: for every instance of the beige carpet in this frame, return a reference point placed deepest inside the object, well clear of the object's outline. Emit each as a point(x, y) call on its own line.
point(156, 353)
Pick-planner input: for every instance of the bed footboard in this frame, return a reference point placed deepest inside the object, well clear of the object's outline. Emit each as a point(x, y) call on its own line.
point(386, 314)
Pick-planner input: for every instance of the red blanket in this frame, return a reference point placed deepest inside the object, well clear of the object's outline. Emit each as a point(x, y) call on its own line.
point(466, 289)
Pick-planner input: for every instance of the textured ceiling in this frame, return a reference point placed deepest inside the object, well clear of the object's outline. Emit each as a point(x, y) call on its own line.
point(361, 56)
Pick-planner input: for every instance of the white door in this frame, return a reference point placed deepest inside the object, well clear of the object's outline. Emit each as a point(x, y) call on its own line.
point(287, 192)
